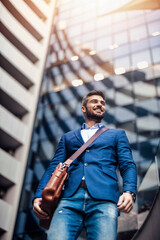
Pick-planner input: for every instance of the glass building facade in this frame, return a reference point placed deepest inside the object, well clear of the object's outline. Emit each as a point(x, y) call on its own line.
point(117, 53)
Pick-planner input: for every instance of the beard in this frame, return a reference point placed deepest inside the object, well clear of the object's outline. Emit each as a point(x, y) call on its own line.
point(92, 115)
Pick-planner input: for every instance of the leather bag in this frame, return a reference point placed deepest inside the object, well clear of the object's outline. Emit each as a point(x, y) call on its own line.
point(52, 192)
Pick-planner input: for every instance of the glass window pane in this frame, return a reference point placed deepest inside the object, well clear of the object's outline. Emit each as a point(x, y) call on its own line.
point(149, 105)
point(140, 45)
point(103, 43)
point(60, 55)
point(65, 68)
point(103, 32)
point(74, 31)
point(136, 20)
point(89, 16)
point(103, 21)
point(134, 14)
point(47, 148)
point(156, 55)
point(138, 33)
point(88, 37)
point(121, 81)
point(64, 14)
point(59, 80)
point(154, 41)
point(142, 89)
point(106, 55)
point(122, 99)
point(64, 44)
point(154, 27)
point(148, 123)
point(121, 16)
point(61, 36)
point(88, 61)
point(153, 15)
point(56, 46)
point(121, 50)
point(143, 56)
point(121, 38)
point(124, 115)
point(55, 71)
point(122, 62)
point(76, 11)
point(119, 27)
point(88, 26)
point(53, 58)
point(75, 20)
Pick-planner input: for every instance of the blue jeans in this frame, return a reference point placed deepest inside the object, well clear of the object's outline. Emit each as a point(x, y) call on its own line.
point(98, 217)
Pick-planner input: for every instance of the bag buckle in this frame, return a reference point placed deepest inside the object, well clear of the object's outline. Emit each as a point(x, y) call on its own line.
point(63, 166)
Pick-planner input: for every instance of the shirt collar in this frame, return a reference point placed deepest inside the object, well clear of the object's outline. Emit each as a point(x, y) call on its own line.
point(96, 126)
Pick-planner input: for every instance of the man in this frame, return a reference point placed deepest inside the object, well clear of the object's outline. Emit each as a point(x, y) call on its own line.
point(91, 198)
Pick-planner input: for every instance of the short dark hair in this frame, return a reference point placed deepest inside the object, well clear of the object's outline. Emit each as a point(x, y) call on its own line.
point(94, 92)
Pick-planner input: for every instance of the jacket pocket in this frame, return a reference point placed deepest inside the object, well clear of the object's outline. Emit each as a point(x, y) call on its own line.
point(110, 173)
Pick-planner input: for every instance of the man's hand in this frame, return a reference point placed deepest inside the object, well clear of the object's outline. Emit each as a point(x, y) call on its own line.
point(40, 214)
point(125, 203)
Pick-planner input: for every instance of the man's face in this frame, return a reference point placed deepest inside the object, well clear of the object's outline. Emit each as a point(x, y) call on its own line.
point(95, 109)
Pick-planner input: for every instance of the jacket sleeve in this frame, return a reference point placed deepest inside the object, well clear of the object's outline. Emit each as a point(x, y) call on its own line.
point(60, 156)
point(126, 164)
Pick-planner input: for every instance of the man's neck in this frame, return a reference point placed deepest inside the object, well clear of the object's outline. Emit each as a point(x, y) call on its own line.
point(91, 123)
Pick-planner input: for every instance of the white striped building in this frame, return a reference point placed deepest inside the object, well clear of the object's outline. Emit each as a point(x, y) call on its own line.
point(25, 33)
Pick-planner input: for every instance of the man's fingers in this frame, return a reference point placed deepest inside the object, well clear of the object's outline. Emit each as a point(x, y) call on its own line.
point(120, 201)
point(127, 204)
point(38, 211)
point(124, 205)
point(39, 216)
point(127, 208)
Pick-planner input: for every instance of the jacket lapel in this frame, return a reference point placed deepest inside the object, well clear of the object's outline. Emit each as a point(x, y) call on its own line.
point(79, 136)
point(97, 137)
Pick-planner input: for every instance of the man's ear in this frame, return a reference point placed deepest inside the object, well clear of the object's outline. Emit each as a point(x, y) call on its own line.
point(83, 109)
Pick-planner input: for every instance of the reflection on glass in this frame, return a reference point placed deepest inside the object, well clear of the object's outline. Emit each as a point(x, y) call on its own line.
point(145, 90)
point(156, 55)
point(123, 62)
point(121, 38)
point(138, 33)
point(133, 22)
point(140, 45)
point(74, 31)
point(121, 50)
point(103, 43)
point(141, 57)
point(154, 41)
point(154, 27)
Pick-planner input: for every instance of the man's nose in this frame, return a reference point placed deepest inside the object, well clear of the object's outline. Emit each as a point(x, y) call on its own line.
point(99, 104)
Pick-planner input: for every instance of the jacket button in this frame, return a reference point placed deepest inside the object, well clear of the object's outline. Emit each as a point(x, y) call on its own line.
point(87, 150)
point(85, 164)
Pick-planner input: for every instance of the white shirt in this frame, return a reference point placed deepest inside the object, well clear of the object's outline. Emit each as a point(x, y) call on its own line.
point(87, 132)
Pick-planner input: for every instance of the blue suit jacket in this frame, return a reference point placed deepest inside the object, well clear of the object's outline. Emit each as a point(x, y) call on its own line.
point(98, 164)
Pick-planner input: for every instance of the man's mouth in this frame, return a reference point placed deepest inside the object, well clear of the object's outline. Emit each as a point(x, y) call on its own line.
point(98, 110)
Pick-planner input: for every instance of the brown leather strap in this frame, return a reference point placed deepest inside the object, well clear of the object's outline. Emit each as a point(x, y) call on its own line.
point(84, 146)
